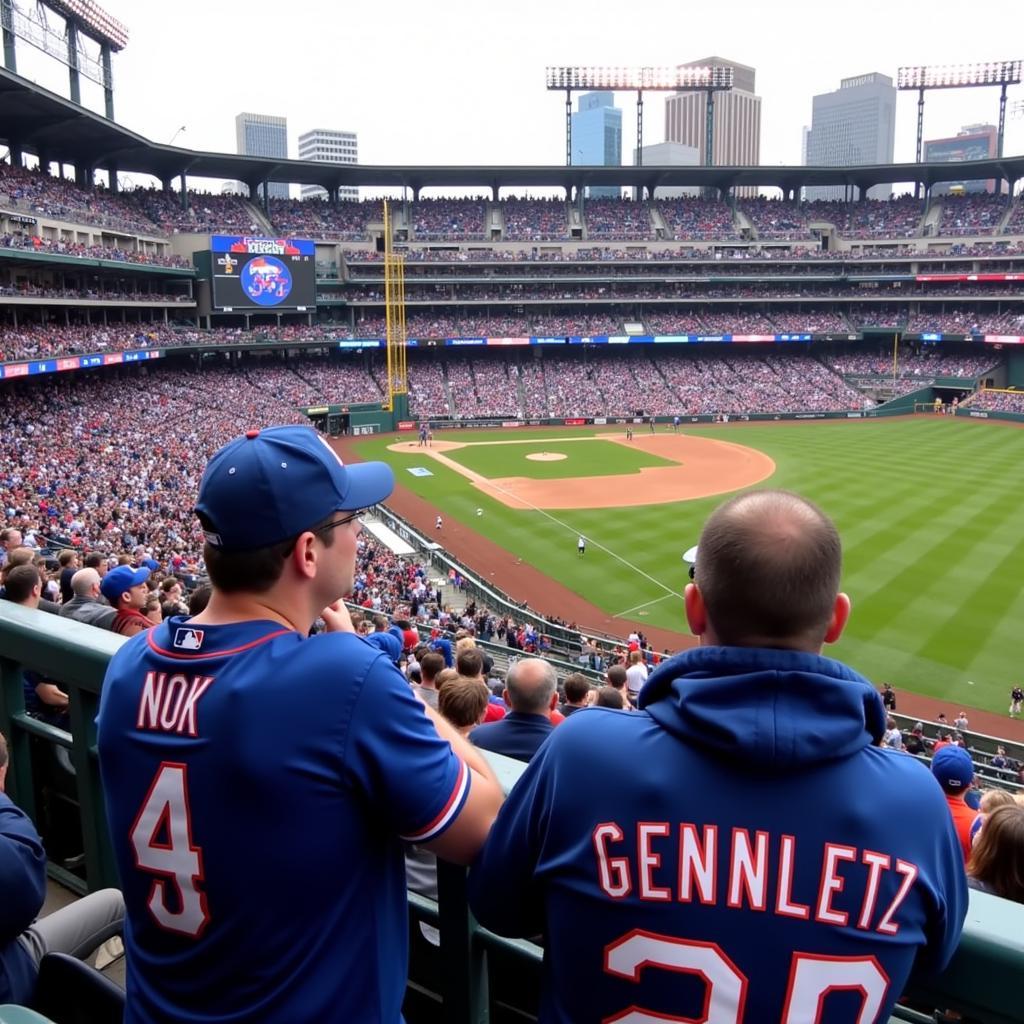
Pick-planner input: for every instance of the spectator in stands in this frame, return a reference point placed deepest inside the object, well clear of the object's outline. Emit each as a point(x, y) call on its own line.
point(172, 598)
point(68, 561)
point(531, 692)
point(953, 768)
point(125, 588)
point(357, 761)
point(610, 697)
point(43, 699)
point(78, 928)
point(578, 693)
point(989, 801)
point(463, 701)
point(618, 679)
point(87, 604)
point(636, 674)
point(756, 716)
point(9, 540)
point(430, 665)
point(892, 737)
point(997, 859)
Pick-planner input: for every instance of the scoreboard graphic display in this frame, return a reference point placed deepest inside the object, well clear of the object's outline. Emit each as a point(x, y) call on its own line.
point(263, 273)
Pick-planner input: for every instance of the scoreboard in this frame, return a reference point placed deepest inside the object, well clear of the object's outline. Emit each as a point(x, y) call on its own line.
point(268, 274)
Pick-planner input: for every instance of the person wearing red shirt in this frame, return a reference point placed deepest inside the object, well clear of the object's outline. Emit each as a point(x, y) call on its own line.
point(953, 768)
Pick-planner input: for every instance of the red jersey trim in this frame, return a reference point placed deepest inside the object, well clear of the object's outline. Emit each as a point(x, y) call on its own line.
point(214, 654)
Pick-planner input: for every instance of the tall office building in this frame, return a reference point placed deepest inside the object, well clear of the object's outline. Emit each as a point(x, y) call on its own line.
point(327, 146)
point(972, 142)
point(263, 135)
point(597, 137)
point(856, 124)
point(737, 119)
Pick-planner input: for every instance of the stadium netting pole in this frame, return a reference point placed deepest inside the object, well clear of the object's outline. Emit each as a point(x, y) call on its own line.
point(394, 316)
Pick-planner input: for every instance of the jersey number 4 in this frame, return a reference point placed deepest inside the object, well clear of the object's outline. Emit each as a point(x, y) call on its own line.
point(811, 979)
point(161, 839)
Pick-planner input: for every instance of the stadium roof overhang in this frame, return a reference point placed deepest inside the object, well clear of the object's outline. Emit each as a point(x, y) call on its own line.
point(37, 121)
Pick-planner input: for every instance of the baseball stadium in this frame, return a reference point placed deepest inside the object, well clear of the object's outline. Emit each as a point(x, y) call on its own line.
point(567, 373)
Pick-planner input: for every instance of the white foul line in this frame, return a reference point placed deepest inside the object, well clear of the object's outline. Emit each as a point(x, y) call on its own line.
point(669, 592)
point(637, 607)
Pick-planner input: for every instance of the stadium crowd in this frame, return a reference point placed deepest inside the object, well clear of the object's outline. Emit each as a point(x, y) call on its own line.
point(79, 250)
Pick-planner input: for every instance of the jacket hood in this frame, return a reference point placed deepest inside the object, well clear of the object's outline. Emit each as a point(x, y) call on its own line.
point(779, 709)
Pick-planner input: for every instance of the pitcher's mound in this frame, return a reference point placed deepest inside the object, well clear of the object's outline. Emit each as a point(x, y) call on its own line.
point(546, 456)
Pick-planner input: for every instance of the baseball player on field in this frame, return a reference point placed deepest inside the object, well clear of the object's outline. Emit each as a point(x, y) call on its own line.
point(260, 782)
point(753, 854)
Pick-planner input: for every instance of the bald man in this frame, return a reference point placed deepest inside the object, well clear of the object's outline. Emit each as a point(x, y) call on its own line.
point(531, 692)
point(742, 842)
point(87, 605)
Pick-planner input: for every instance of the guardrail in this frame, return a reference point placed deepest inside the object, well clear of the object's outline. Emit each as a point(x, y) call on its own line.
point(475, 976)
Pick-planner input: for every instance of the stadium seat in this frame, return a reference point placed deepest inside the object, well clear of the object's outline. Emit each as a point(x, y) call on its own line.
point(69, 991)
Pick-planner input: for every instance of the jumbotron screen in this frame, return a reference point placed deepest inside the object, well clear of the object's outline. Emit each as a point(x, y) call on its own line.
point(263, 273)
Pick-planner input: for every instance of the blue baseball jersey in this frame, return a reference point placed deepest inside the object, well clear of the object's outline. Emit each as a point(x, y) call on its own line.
point(257, 783)
point(739, 850)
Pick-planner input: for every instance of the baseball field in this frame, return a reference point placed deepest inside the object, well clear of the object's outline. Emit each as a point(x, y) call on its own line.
point(930, 509)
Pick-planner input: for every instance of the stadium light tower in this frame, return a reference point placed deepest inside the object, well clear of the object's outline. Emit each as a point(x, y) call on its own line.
point(1003, 73)
point(81, 18)
point(699, 79)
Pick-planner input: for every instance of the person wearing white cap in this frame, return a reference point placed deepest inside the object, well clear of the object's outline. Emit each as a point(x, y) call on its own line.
point(259, 781)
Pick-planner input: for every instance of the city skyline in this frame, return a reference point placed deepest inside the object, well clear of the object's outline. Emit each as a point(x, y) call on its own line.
point(444, 110)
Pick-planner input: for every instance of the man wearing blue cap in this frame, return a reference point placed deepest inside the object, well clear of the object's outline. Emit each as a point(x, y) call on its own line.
point(259, 781)
point(953, 768)
point(125, 588)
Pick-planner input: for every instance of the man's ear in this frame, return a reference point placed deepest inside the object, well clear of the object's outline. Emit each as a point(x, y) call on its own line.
point(840, 616)
point(696, 613)
point(304, 555)
point(554, 701)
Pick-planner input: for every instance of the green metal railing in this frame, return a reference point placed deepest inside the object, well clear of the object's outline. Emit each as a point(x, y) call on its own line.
point(475, 976)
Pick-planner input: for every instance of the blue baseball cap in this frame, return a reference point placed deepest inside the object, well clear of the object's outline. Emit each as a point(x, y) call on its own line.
point(272, 484)
point(118, 580)
point(953, 767)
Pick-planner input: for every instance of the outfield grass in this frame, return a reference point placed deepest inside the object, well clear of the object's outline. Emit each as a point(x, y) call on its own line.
point(930, 511)
point(590, 457)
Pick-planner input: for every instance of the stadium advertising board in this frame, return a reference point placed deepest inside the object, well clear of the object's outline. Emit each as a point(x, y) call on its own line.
point(8, 371)
point(263, 273)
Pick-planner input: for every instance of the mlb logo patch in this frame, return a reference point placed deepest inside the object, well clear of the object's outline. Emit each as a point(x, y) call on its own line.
point(186, 639)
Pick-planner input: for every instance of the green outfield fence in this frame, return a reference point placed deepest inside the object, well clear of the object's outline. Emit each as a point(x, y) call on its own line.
point(470, 976)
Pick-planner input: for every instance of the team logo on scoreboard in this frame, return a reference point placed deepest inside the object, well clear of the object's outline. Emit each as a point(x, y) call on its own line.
point(266, 280)
point(228, 262)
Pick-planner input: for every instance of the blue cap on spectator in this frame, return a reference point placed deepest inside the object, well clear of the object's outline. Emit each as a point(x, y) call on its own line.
point(953, 768)
point(272, 484)
point(150, 563)
point(118, 580)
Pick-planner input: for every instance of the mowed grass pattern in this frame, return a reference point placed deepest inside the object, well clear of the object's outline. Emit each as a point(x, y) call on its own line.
point(930, 511)
point(589, 457)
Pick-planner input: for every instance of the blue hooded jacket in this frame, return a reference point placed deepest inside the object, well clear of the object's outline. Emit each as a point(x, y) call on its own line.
point(738, 846)
point(22, 891)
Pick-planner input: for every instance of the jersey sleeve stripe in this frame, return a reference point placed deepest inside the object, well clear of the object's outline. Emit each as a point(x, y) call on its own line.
point(448, 813)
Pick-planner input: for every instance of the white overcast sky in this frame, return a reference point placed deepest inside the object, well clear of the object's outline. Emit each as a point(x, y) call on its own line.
point(462, 81)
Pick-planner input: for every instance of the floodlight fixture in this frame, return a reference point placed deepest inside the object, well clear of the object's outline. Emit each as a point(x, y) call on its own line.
point(94, 21)
point(639, 79)
point(959, 76)
point(708, 79)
